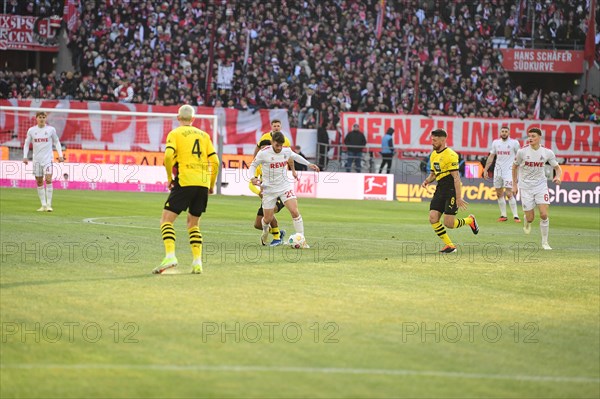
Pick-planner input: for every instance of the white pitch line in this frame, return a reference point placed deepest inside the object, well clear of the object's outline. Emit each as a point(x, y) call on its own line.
point(94, 221)
point(309, 370)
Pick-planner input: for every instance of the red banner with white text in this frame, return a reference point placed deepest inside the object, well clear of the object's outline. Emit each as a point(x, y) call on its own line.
point(109, 130)
point(19, 32)
point(242, 129)
point(474, 135)
point(542, 61)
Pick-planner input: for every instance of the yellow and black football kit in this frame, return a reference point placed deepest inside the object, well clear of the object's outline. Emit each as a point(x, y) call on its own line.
point(444, 198)
point(191, 151)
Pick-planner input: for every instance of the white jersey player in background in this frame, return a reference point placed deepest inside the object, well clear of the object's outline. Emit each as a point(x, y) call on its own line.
point(530, 178)
point(43, 137)
point(504, 150)
point(275, 182)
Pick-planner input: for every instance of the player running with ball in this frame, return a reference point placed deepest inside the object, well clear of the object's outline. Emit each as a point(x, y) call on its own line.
point(275, 182)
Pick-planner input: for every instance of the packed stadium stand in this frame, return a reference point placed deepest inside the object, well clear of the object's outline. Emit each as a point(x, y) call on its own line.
point(314, 58)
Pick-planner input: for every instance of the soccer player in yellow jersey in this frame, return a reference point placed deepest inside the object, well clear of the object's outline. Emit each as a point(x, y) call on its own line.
point(265, 139)
point(448, 194)
point(191, 151)
point(278, 234)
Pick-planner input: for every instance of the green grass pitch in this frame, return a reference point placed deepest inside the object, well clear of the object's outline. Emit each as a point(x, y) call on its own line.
point(370, 310)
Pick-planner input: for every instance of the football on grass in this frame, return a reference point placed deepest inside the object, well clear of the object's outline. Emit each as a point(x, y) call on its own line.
point(296, 241)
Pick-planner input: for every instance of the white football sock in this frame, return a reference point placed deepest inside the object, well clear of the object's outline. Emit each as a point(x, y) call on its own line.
point(42, 195)
point(265, 226)
point(513, 206)
point(502, 205)
point(544, 228)
point(299, 225)
point(49, 191)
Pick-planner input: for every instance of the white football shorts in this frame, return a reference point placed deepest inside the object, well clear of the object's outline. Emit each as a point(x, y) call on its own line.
point(529, 199)
point(269, 200)
point(503, 179)
point(40, 169)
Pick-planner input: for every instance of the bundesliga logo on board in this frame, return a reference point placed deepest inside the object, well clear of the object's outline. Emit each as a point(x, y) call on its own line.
point(375, 187)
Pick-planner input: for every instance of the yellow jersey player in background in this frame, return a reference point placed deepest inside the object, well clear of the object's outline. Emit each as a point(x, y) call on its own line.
point(265, 139)
point(191, 152)
point(448, 194)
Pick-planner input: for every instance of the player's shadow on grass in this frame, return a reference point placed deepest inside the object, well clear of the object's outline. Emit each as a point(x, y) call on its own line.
point(49, 282)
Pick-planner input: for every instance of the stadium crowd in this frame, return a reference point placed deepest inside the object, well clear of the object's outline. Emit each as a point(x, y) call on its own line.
point(315, 58)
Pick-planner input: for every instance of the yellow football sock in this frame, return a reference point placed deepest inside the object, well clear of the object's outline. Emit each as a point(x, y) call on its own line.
point(168, 235)
point(196, 242)
point(275, 232)
point(440, 230)
point(463, 222)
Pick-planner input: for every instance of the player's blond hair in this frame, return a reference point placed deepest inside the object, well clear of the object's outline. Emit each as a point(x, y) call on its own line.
point(185, 113)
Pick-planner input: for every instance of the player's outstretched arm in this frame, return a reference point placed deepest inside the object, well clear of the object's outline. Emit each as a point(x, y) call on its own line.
point(300, 159)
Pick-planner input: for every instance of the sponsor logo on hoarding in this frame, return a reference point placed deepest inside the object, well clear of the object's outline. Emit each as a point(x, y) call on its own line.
point(585, 194)
point(306, 186)
point(375, 187)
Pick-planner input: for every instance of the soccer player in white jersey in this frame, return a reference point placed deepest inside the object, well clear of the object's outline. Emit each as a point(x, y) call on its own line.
point(504, 150)
point(530, 178)
point(43, 137)
point(275, 182)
